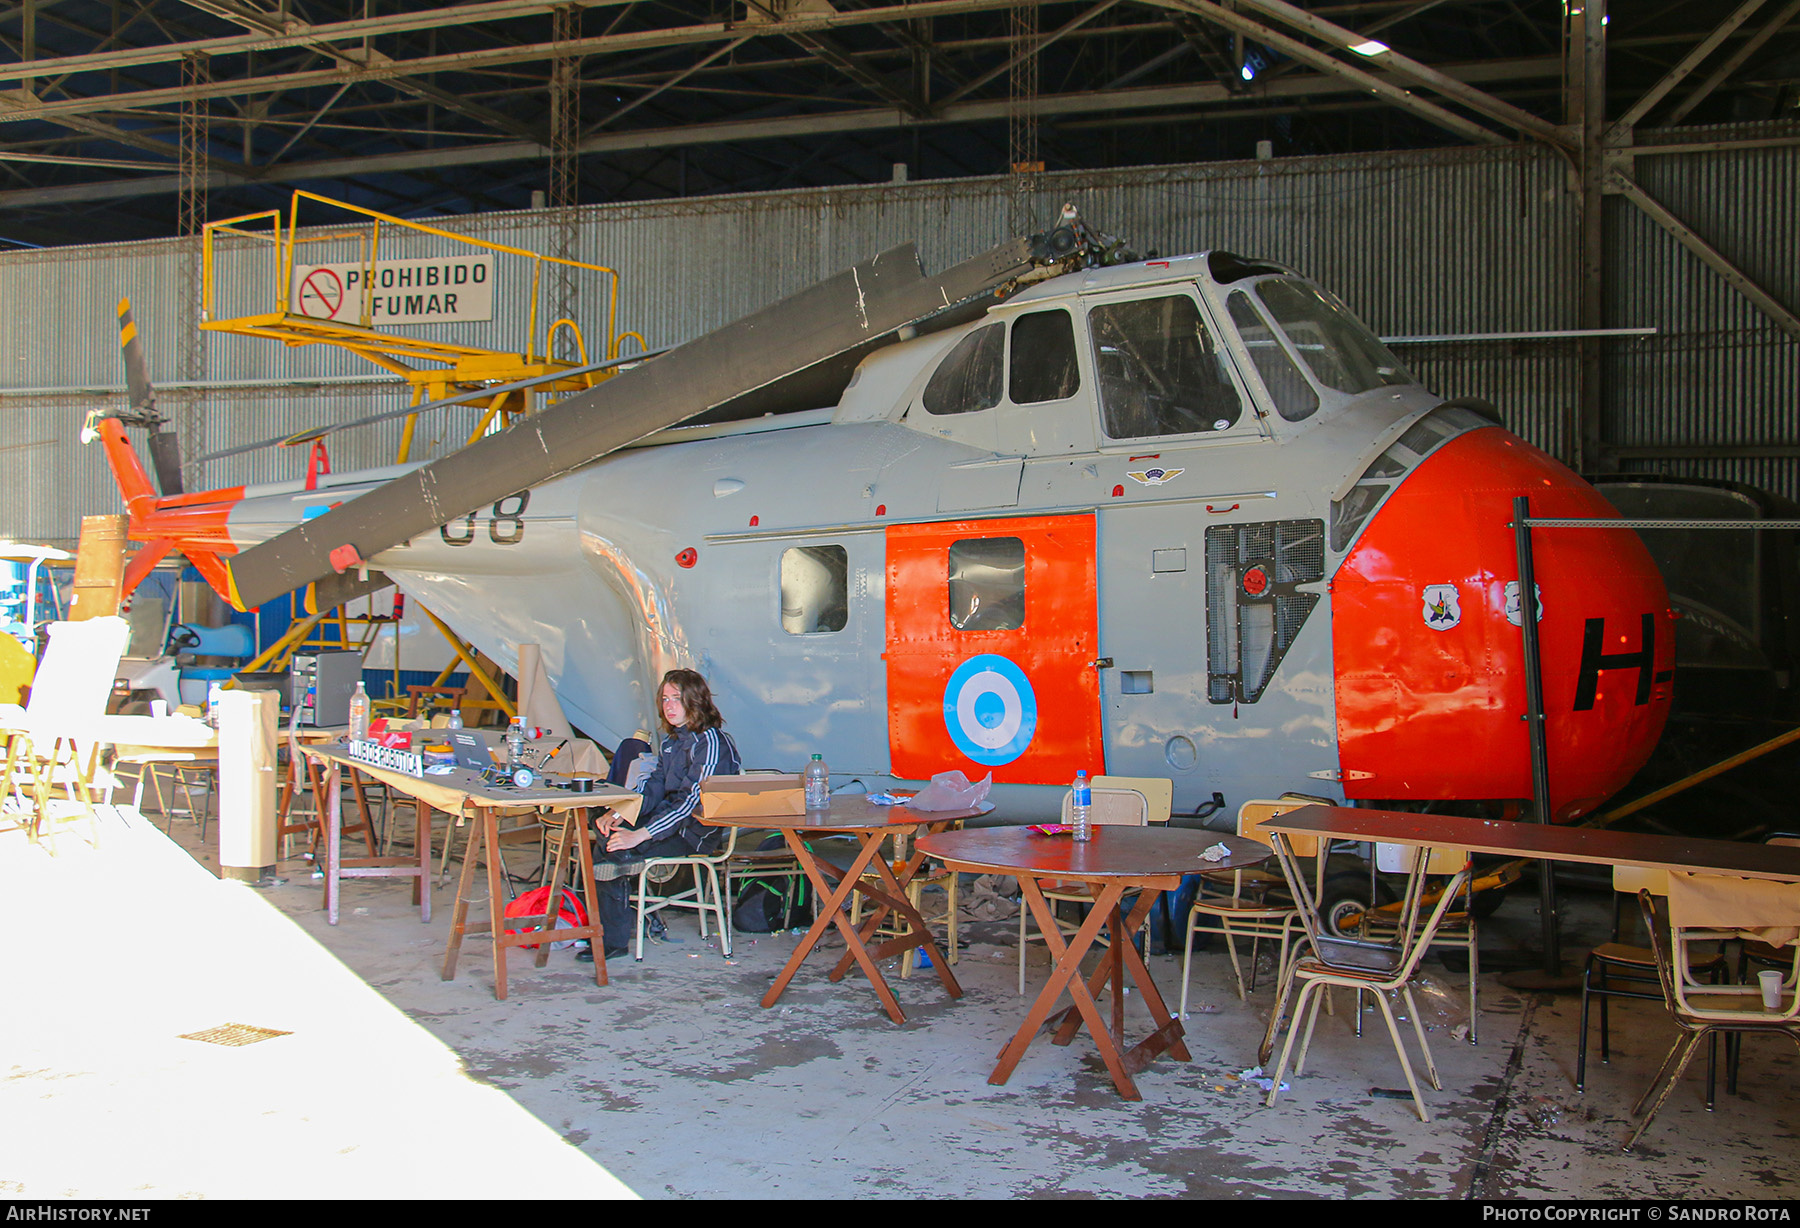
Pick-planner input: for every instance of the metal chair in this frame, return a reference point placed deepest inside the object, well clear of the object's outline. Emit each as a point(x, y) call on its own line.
point(705, 868)
point(1109, 808)
point(1458, 928)
point(1702, 1010)
point(942, 878)
point(1244, 915)
point(1620, 970)
point(1363, 965)
point(183, 765)
point(769, 866)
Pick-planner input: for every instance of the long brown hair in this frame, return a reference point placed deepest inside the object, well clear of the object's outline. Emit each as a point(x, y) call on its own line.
point(696, 697)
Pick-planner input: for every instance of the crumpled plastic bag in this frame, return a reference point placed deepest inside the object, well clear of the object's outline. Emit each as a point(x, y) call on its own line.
point(952, 791)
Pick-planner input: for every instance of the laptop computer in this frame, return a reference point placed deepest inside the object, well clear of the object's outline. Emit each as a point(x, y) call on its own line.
point(471, 750)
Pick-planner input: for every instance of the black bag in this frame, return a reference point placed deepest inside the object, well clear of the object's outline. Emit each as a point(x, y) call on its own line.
point(760, 909)
point(763, 909)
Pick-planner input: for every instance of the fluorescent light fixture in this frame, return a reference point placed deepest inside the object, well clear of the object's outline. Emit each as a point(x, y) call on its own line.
point(1370, 48)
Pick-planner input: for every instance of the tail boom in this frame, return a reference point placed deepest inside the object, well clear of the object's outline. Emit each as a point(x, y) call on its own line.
point(195, 524)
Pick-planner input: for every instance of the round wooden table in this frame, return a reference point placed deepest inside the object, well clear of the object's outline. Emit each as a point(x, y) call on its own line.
point(853, 815)
point(1118, 860)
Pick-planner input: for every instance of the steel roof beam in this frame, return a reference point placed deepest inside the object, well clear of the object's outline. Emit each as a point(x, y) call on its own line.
point(1382, 88)
point(1406, 68)
point(733, 131)
point(267, 24)
point(1736, 278)
point(1732, 63)
point(1037, 45)
point(387, 70)
point(292, 33)
point(1676, 75)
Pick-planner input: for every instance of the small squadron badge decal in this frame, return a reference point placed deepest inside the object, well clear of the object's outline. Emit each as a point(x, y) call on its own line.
point(1442, 610)
point(1515, 608)
point(1153, 477)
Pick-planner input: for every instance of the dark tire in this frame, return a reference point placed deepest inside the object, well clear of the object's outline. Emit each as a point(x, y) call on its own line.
point(1347, 895)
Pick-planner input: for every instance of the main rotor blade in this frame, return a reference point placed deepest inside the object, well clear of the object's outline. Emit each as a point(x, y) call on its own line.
point(461, 398)
point(850, 309)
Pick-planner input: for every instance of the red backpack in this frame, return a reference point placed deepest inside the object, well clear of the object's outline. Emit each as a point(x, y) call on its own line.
point(532, 903)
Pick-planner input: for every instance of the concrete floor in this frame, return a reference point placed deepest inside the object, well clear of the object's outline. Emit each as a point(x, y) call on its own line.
point(672, 1082)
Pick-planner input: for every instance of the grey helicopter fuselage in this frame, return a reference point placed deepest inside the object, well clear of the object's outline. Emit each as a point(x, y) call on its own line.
point(1099, 528)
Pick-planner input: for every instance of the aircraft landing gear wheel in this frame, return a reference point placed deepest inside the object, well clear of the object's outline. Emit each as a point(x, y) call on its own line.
point(1344, 898)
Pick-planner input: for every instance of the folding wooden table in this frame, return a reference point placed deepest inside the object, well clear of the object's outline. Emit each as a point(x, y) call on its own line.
point(464, 792)
point(1147, 860)
point(854, 815)
point(1542, 842)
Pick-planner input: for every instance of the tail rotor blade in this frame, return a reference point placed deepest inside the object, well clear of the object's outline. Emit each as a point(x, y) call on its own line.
point(165, 447)
point(165, 458)
point(139, 393)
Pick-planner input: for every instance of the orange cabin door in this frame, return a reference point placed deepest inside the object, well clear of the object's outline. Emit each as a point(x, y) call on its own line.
point(991, 634)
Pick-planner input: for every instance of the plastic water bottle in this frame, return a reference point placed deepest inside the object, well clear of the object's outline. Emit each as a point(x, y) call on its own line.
point(456, 718)
point(214, 693)
point(515, 743)
point(817, 779)
point(1081, 807)
point(359, 714)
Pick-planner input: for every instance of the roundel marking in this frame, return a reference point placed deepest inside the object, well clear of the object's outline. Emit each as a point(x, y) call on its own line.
point(990, 709)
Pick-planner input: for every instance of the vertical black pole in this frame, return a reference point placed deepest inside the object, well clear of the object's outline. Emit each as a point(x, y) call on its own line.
point(1534, 724)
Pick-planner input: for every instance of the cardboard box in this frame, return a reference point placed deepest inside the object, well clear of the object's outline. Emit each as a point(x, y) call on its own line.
point(723, 797)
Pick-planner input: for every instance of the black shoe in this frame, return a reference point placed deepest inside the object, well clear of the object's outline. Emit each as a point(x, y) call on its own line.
point(586, 954)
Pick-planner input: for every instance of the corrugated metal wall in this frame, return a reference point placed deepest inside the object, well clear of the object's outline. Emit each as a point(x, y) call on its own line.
point(1418, 244)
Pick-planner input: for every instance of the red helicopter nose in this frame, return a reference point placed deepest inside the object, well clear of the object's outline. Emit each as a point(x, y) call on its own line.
point(1429, 659)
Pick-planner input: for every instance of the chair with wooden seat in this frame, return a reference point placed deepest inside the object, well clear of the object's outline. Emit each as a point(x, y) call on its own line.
point(1755, 954)
point(1109, 808)
point(933, 877)
point(427, 697)
point(1704, 910)
point(1361, 964)
point(775, 864)
point(182, 764)
point(1459, 927)
point(1240, 914)
point(1616, 969)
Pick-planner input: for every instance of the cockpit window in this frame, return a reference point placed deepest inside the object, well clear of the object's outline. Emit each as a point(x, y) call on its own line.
point(1159, 371)
point(1294, 398)
point(969, 379)
point(1341, 352)
point(1043, 364)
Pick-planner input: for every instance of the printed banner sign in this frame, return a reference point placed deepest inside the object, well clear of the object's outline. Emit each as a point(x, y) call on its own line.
point(406, 762)
point(450, 288)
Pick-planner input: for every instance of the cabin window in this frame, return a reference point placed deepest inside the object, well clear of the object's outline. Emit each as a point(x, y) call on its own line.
point(987, 584)
point(1158, 370)
point(969, 379)
point(1294, 398)
point(1254, 609)
point(1043, 364)
point(1342, 353)
point(815, 590)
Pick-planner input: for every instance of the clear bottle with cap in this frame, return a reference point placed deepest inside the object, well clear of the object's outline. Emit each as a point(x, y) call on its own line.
point(817, 781)
point(456, 718)
point(515, 743)
point(214, 693)
point(359, 713)
point(1081, 803)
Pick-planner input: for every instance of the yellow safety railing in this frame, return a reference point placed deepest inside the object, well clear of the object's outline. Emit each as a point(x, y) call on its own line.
point(435, 368)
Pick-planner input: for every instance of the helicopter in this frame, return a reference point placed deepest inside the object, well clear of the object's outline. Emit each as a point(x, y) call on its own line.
point(1056, 509)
